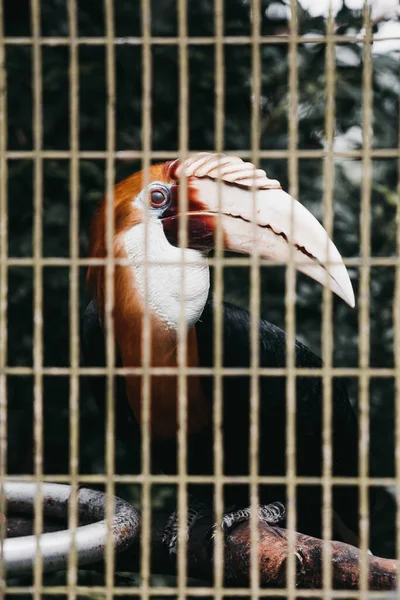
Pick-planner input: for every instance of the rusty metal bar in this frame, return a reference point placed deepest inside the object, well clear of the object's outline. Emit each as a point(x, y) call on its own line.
point(3, 285)
point(396, 357)
point(171, 154)
point(255, 307)
point(239, 40)
point(110, 294)
point(183, 144)
point(290, 303)
point(217, 312)
point(378, 261)
point(74, 297)
point(228, 371)
point(38, 288)
point(146, 333)
point(363, 300)
point(210, 479)
point(327, 321)
point(158, 591)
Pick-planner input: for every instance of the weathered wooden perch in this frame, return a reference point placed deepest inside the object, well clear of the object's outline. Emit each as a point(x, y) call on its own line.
point(273, 554)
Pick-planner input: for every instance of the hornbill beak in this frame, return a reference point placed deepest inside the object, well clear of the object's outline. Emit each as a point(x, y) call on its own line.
point(255, 214)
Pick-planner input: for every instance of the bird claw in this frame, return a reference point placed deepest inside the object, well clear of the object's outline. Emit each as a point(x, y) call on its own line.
point(267, 513)
point(196, 511)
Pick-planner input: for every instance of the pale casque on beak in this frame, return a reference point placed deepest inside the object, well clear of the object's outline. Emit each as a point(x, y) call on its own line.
point(255, 215)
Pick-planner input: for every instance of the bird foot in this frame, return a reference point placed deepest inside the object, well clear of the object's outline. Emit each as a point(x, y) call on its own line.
point(267, 513)
point(196, 511)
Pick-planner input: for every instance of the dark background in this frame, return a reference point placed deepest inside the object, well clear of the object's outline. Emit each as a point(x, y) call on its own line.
point(165, 131)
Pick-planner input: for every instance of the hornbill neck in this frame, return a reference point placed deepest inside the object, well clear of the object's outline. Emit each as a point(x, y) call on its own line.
point(128, 314)
point(129, 322)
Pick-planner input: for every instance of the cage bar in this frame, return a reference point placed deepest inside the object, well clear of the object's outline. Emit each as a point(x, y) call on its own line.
point(383, 372)
point(38, 291)
point(217, 311)
point(183, 144)
point(168, 154)
point(363, 300)
point(255, 307)
point(74, 296)
point(204, 479)
point(290, 317)
point(396, 353)
point(327, 320)
point(110, 295)
point(198, 41)
point(3, 281)
point(146, 338)
point(372, 261)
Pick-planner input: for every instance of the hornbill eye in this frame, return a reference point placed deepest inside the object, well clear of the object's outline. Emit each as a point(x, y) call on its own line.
point(158, 197)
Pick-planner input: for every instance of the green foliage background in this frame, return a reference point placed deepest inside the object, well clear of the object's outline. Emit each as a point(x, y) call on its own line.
point(165, 117)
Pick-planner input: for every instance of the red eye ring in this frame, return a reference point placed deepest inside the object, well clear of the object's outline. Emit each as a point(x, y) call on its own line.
point(158, 197)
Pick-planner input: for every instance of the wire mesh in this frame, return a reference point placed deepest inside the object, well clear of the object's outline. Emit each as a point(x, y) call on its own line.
point(182, 371)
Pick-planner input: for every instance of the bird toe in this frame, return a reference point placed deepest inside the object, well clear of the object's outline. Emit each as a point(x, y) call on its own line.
point(267, 513)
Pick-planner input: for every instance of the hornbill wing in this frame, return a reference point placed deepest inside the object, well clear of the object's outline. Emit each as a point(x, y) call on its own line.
point(94, 355)
point(309, 419)
point(236, 353)
point(309, 390)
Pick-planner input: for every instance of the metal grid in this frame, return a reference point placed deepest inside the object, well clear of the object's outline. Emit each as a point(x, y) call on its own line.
point(74, 371)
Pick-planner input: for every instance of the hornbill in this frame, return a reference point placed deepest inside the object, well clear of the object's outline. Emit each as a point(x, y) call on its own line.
point(254, 212)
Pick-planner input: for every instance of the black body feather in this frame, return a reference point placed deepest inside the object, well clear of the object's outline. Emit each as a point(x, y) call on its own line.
point(272, 420)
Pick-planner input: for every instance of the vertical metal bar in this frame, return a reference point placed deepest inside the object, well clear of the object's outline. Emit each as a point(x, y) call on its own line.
point(396, 351)
point(110, 292)
point(182, 331)
point(364, 297)
point(290, 300)
point(218, 309)
point(74, 294)
point(3, 283)
point(38, 288)
point(146, 333)
point(255, 307)
point(327, 337)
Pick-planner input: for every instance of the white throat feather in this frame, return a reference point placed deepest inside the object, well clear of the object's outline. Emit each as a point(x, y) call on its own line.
point(164, 274)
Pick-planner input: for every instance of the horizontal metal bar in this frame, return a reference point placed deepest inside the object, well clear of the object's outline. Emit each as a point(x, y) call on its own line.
point(204, 371)
point(124, 155)
point(196, 40)
point(206, 479)
point(196, 591)
point(59, 261)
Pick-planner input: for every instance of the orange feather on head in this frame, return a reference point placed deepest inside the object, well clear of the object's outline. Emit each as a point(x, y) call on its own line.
point(125, 217)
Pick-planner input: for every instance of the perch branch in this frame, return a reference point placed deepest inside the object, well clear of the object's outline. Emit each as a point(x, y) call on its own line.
point(273, 554)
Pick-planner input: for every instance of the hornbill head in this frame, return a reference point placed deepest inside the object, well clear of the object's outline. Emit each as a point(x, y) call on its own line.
point(255, 215)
